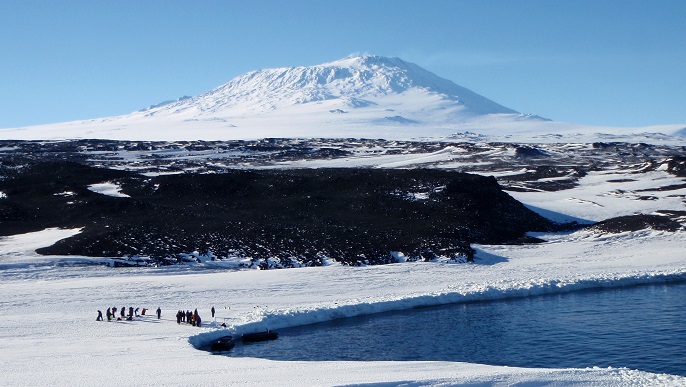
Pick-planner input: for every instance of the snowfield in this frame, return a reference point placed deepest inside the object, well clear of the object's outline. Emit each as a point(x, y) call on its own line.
point(50, 336)
point(109, 189)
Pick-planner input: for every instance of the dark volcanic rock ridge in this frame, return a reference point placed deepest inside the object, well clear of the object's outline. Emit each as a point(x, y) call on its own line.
point(298, 216)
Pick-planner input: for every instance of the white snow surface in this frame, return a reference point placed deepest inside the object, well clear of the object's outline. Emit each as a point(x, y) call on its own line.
point(108, 188)
point(356, 97)
point(49, 336)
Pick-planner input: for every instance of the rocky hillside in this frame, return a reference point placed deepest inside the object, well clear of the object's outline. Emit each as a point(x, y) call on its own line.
point(299, 216)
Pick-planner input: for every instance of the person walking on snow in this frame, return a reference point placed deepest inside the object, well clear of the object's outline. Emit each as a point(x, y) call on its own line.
point(212, 310)
point(99, 318)
point(159, 313)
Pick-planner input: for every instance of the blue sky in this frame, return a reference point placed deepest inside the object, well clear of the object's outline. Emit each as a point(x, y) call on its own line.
point(602, 62)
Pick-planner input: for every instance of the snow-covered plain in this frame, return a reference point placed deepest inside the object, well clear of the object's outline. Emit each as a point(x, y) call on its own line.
point(50, 336)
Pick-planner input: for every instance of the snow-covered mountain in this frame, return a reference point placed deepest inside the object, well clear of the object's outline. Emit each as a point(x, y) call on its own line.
point(364, 83)
point(361, 97)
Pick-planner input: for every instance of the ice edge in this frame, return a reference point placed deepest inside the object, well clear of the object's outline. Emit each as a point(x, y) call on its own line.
point(288, 318)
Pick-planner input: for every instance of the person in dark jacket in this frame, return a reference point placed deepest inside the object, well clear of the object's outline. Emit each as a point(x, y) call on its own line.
point(212, 310)
point(99, 318)
point(159, 313)
point(179, 314)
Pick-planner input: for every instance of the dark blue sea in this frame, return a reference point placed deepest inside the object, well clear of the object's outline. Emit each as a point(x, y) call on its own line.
point(640, 327)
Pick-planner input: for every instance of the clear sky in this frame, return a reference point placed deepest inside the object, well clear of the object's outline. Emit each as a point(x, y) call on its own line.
point(602, 62)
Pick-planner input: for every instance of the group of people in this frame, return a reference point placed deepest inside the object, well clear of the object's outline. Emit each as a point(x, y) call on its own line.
point(112, 313)
point(189, 317)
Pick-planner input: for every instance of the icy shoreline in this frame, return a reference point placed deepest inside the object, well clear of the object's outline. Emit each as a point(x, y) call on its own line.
point(49, 312)
point(288, 318)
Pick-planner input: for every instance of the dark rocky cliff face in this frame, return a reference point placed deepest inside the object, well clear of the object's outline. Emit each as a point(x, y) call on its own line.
point(351, 215)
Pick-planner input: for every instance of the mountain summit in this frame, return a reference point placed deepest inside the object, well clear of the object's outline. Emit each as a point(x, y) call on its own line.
point(371, 83)
point(355, 97)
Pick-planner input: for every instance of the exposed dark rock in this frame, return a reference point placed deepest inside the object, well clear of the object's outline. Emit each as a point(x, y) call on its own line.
point(637, 222)
point(544, 178)
point(351, 215)
point(677, 166)
point(300, 216)
point(671, 187)
point(549, 166)
point(529, 152)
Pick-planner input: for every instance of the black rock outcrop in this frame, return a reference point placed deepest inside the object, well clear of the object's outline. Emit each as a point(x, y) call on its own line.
point(350, 215)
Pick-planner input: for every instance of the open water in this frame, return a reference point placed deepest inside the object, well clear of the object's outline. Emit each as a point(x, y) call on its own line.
point(640, 327)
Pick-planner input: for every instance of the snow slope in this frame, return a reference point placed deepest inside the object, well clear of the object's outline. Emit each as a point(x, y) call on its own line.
point(361, 97)
point(351, 83)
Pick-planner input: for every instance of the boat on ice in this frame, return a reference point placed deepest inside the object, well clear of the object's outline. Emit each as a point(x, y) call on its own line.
point(224, 343)
point(259, 336)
